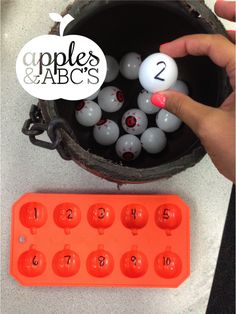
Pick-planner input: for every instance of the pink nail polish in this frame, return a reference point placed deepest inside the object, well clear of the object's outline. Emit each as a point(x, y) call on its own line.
point(158, 100)
point(231, 30)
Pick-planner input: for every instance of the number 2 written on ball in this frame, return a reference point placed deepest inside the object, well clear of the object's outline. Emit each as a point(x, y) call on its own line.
point(161, 66)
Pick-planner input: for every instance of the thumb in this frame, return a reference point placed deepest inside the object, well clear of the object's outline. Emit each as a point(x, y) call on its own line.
point(189, 111)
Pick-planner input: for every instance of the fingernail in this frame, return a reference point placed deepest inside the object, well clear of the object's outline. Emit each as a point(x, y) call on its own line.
point(158, 100)
point(231, 30)
point(163, 44)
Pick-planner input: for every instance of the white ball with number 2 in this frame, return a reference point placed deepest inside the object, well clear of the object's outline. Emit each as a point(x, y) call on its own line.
point(145, 104)
point(106, 132)
point(158, 72)
point(153, 140)
point(167, 121)
point(128, 147)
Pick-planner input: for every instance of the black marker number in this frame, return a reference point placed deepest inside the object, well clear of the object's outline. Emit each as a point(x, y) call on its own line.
point(133, 259)
point(35, 213)
point(166, 213)
point(35, 261)
point(101, 260)
point(101, 213)
point(68, 258)
point(69, 213)
point(133, 212)
point(161, 65)
point(166, 260)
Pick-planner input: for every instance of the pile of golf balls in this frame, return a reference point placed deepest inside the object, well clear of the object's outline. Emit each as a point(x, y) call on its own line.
point(156, 73)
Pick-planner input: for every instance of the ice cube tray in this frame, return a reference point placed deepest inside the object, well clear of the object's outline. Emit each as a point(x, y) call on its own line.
point(100, 240)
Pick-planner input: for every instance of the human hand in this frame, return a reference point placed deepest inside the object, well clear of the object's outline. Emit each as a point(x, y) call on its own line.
point(215, 127)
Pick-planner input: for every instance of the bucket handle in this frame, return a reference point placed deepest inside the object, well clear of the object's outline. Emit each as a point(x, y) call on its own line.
point(35, 125)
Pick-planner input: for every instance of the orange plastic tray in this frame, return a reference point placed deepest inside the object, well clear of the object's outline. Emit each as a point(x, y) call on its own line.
point(100, 240)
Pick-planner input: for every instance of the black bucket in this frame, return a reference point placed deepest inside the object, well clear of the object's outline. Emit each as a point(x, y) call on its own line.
point(119, 27)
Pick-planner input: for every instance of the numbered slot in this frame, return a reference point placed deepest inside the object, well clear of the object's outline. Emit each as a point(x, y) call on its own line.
point(134, 217)
point(33, 215)
point(67, 216)
point(168, 264)
point(101, 216)
point(168, 217)
point(32, 263)
point(134, 263)
point(66, 263)
point(100, 240)
point(100, 263)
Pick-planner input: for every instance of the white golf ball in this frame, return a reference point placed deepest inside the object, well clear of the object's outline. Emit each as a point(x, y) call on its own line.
point(158, 72)
point(153, 140)
point(110, 99)
point(94, 96)
point(112, 69)
point(106, 132)
point(145, 104)
point(130, 64)
point(167, 121)
point(180, 86)
point(87, 112)
point(134, 121)
point(128, 147)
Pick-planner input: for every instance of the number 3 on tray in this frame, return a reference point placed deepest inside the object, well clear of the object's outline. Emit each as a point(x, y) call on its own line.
point(101, 216)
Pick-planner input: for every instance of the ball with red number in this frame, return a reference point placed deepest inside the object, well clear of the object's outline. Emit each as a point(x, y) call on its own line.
point(134, 264)
point(168, 216)
point(100, 263)
point(32, 263)
point(168, 265)
point(67, 215)
point(33, 215)
point(66, 263)
point(101, 216)
point(134, 216)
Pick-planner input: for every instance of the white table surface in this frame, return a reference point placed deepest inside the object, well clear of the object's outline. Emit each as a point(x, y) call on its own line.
point(25, 167)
